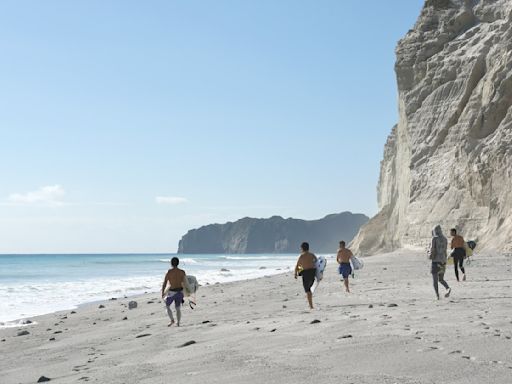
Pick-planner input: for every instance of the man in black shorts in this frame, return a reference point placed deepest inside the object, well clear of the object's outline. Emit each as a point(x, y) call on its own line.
point(306, 267)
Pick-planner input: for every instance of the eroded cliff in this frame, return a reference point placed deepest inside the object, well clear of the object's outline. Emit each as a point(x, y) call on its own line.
point(449, 158)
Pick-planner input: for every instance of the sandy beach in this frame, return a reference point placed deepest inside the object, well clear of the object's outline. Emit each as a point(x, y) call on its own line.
point(388, 330)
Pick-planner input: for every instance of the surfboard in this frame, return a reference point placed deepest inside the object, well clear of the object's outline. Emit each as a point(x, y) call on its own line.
point(356, 263)
point(320, 265)
point(191, 285)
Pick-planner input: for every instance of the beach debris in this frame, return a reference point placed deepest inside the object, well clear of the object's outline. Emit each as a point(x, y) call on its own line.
point(125, 318)
point(72, 312)
point(191, 342)
point(51, 339)
point(392, 305)
point(273, 330)
point(316, 321)
point(132, 304)
point(206, 322)
point(56, 332)
point(150, 302)
point(101, 306)
point(43, 379)
point(370, 306)
point(23, 333)
point(143, 335)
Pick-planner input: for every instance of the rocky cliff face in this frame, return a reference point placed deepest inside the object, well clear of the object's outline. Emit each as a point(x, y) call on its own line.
point(273, 235)
point(449, 158)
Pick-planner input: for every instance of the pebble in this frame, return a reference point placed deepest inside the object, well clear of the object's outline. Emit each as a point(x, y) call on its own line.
point(23, 333)
point(191, 342)
point(315, 321)
point(43, 379)
point(143, 335)
point(132, 304)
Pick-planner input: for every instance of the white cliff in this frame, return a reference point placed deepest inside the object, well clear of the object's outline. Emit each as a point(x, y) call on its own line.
point(449, 158)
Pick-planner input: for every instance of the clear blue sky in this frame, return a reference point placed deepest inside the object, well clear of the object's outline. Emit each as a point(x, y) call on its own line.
point(125, 123)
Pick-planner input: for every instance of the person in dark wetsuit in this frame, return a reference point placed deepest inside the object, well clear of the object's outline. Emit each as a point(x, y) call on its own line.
point(176, 279)
point(306, 267)
point(458, 253)
point(437, 254)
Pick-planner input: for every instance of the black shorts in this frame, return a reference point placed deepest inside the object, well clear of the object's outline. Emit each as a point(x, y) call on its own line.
point(308, 278)
point(459, 253)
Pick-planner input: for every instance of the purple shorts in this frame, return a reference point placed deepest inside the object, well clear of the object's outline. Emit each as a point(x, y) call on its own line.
point(177, 297)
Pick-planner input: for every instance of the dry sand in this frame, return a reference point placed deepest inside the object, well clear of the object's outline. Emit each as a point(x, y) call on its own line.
point(259, 331)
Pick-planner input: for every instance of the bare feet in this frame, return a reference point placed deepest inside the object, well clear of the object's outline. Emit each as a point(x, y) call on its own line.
point(171, 323)
point(448, 293)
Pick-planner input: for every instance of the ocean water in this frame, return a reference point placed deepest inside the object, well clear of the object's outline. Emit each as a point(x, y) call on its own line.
point(33, 285)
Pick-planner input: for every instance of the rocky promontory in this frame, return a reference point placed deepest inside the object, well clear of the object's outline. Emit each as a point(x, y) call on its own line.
point(272, 235)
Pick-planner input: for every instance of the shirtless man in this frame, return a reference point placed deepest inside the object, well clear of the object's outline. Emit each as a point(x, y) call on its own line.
point(306, 267)
point(343, 259)
point(458, 253)
point(175, 277)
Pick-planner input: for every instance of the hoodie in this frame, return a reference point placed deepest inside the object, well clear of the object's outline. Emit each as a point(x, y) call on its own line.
point(438, 246)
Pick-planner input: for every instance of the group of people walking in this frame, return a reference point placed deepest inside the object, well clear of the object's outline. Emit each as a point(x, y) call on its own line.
point(175, 278)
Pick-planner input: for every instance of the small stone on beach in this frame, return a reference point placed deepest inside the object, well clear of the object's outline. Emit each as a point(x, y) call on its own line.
point(345, 337)
point(143, 335)
point(315, 321)
point(23, 333)
point(132, 305)
point(101, 306)
point(43, 379)
point(187, 344)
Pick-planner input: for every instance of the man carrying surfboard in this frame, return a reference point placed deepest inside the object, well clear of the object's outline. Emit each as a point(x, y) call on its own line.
point(306, 267)
point(176, 279)
point(458, 253)
point(343, 258)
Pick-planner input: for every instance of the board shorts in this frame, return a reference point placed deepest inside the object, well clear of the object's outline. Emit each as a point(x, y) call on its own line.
point(345, 270)
point(177, 297)
point(308, 278)
point(438, 268)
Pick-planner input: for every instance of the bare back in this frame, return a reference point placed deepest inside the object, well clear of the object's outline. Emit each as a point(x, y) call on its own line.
point(175, 277)
point(344, 255)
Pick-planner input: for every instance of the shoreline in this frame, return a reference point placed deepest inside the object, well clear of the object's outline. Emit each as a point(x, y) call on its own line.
point(151, 283)
point(389, 329)
point(32, 320)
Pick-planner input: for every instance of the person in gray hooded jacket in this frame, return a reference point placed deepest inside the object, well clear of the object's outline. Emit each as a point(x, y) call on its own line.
point(437, 254)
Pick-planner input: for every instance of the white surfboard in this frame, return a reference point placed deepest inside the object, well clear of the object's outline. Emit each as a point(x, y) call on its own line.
point(320, 265)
